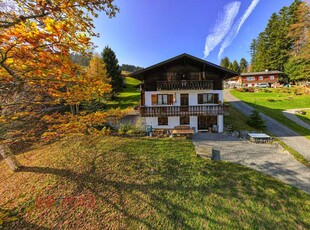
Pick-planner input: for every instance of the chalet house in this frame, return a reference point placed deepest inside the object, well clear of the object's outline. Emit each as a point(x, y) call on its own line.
point(254, 79)
point(184, 90)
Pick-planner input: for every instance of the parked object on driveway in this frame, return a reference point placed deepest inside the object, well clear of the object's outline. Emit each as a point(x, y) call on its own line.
point(260, 138)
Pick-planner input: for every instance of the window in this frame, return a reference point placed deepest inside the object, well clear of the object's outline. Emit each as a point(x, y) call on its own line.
point(250, 78)
point(162, 120)
point(162, 99)
point(206, 98)
point(261, 78)
point(271, 77)
point(184, 120)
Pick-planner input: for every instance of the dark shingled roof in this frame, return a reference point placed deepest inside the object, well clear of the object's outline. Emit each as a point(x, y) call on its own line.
point(228, 72)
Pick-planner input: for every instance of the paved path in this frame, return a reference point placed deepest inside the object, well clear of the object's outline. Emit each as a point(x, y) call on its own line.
point(288, 136)
point(266, 158)
point(290, 114)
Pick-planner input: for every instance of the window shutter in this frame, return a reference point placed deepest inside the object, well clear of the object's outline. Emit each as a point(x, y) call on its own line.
point(154, 99)
point(216, 98)
point(142, 99)
point(170, 99)
point(200, 98)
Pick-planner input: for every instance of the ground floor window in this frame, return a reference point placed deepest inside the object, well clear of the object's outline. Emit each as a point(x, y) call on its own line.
point(184, 120)
point(162, 120)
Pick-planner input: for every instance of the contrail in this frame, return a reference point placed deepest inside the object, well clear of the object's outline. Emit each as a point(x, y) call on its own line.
point(222, 26)
point(234, 32)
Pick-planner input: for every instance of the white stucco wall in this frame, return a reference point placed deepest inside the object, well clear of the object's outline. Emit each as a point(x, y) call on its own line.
point(193, 122)
point(220, 123)
point(192, 96)
point(193, 100)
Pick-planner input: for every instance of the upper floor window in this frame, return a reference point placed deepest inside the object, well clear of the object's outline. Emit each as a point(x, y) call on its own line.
point(250, 78)
point(271, 77)
point(162, 99)
point(261, 78)
point(205, 98)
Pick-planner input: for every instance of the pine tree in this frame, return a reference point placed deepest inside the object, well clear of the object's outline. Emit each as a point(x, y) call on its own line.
point(225, 62)
point(256, 121)
point(243, 65)
point(272, 48)
point(113, 70)
point(298, 66)
point(235, 66)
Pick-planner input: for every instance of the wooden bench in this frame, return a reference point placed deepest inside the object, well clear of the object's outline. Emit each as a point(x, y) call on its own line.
point(183, 130)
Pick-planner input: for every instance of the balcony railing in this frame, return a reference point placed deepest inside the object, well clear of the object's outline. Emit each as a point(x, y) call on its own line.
point(184, 85)
point(194, 110)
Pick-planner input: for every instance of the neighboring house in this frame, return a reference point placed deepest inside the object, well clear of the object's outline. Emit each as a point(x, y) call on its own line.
point(255, 79)
point(184, 90)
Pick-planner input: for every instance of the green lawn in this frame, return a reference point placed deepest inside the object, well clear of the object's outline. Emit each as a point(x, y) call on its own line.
point(273, 101)
point(129, 97)
point(142, 183)
point(237, 120)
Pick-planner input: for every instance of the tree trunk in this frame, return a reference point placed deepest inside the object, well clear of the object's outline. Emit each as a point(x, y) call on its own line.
point(8, 156)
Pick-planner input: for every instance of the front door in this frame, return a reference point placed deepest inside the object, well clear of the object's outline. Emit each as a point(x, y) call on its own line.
point(205, 122)
point(202, 123)
point(184, 102)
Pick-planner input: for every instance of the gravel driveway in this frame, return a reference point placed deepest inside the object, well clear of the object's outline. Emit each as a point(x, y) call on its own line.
point(290, 114)
point(266, 158)
point(288, 136)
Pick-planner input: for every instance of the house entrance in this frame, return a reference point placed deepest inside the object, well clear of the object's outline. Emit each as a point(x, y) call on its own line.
point(206, 122)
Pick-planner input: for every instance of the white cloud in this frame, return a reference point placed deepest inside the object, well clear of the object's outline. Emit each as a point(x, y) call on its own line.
point(222, 26)
point(235, 30)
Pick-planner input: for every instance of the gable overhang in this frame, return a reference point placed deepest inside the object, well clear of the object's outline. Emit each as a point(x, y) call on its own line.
point(223, 72)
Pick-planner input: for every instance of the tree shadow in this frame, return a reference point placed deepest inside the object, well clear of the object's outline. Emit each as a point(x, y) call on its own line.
point(9, 218)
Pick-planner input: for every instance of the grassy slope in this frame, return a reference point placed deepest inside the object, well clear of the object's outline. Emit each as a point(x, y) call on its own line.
point(237, 120)
point(160, 184)
point(129, 97)
point(284, 99)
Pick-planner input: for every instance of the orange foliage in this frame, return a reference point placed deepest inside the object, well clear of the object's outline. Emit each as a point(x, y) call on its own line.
point(36, 72)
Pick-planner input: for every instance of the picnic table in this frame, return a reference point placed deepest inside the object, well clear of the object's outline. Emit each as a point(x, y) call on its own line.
point(260, 137)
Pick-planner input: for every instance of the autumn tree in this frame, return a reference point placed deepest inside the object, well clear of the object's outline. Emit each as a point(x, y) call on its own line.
point(113, 69)
point(37, 74)
point(298, 65)
point(96, 71)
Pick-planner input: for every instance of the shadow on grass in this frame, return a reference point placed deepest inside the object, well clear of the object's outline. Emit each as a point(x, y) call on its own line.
point(174, 178)
point(8, 220)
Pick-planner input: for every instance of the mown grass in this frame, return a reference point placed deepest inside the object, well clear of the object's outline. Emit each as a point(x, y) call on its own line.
point(129, 97)
point(274, 101)
point(237, 120)
point(141, 183)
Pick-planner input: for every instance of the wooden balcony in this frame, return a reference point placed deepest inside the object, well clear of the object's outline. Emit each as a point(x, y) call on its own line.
point(194, 110)
point(184, 85)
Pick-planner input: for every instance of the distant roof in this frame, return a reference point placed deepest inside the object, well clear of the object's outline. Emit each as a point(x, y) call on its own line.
point(262, 73)
point(228, 72)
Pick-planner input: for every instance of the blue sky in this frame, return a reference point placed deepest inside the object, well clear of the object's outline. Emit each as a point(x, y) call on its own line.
point(146, 32)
